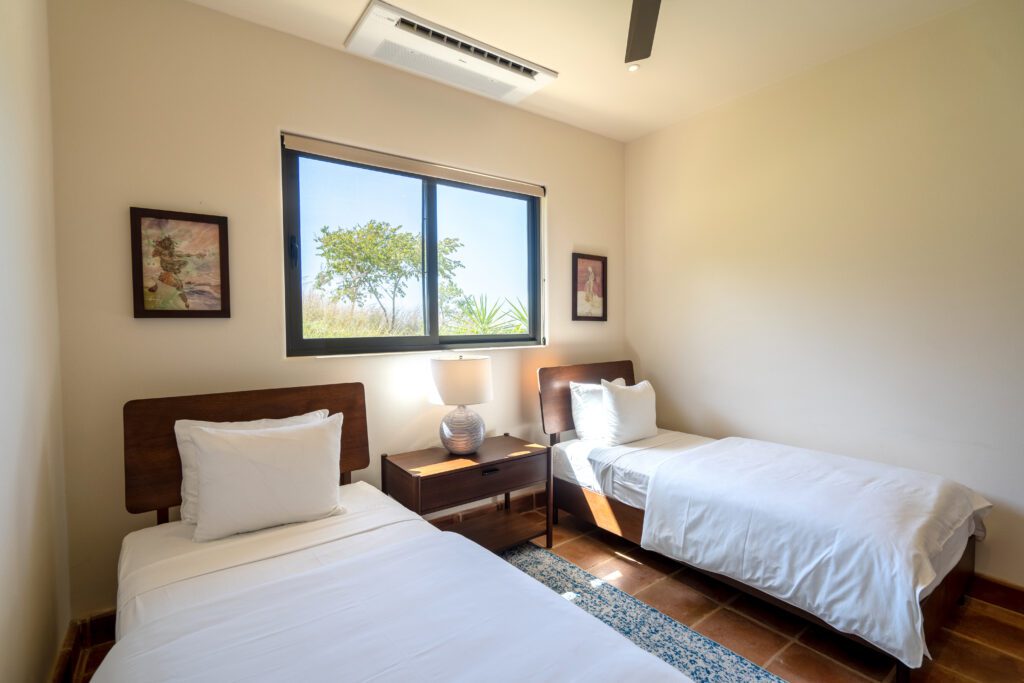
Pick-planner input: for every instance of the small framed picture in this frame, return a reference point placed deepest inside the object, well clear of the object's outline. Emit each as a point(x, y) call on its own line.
point(589, 287)
point(179, 264)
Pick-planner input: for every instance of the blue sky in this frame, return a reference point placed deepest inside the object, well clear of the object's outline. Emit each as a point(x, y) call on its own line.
point(491, 227)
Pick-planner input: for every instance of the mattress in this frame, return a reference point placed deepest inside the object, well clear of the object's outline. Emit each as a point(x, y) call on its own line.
point(620, 472)
point(375, 594)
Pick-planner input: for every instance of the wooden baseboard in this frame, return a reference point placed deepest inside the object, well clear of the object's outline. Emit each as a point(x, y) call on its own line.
point(64, 665)
point(81, 635)
point(998, 592)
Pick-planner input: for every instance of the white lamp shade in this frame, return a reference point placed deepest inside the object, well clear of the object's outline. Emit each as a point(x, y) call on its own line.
point(462, 380)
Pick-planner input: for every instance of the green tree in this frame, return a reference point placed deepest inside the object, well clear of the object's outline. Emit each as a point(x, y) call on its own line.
point(376, 261)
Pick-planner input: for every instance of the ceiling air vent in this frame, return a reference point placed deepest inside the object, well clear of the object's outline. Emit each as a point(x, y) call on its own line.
point(395, 37)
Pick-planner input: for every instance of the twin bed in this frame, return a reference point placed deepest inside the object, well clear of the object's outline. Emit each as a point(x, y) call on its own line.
point(879, 553)
point(377, 593)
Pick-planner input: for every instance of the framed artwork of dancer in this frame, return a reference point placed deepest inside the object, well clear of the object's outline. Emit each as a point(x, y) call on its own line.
point(589, 287)
point(179, 265)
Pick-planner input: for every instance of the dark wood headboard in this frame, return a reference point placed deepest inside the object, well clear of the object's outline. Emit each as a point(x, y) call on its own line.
point(555, 402)
point(152, 466)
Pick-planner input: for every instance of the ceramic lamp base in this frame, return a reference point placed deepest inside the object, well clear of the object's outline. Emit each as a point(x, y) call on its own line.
point(462, 431)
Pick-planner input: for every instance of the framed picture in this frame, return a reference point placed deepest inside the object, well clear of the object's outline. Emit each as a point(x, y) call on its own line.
point(589, 287)
point(179, 264)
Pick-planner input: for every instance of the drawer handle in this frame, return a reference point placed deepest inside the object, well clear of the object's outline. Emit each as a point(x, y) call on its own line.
point(491, 470)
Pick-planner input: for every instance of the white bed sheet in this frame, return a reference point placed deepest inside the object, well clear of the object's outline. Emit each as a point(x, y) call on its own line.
point(953, 549)
point(162, 570)
point(854, 542)
point(620, 472)
point(389, 599)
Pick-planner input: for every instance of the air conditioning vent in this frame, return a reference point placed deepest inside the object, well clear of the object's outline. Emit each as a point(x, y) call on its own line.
point(469, 49)
point(395, 37)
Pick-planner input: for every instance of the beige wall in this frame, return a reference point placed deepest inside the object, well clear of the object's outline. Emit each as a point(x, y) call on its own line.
point(168, 105)
point(838, 262)
point(33, 562)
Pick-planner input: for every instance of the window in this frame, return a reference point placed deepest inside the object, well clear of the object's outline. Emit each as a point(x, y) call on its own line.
point(384, 254)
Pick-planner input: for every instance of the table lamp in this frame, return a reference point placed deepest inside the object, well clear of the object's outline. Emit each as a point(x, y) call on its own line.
point(462, 380)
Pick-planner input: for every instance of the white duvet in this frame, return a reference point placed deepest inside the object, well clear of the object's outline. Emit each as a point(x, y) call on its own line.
point(851, 541)
point(375, 594)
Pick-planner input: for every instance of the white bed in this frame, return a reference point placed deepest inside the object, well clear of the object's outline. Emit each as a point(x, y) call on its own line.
point(819, 531)
point(376, 594)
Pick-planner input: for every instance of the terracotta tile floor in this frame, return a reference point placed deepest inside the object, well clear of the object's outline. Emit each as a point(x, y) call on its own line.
point(982, 643)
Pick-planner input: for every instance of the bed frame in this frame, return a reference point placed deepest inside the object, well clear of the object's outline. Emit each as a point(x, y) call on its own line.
point(628, 522)
point(152, 466)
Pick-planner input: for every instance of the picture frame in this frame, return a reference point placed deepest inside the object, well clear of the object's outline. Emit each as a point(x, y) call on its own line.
point(589, 287)
point(179, 264)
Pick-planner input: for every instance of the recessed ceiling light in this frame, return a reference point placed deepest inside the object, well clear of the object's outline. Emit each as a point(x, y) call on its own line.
point(633, 68)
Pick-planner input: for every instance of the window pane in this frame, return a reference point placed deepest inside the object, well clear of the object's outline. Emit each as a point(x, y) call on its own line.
point(483, 262)
point(362, 253)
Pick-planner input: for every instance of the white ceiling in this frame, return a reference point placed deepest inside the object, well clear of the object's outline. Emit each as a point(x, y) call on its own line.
point(706, 52)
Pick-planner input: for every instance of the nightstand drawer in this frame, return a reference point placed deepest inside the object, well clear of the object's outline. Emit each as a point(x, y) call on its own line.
point(481, 482)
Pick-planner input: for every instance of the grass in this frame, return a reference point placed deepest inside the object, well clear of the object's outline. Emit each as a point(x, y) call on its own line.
point(323, 318)
point(326, 319)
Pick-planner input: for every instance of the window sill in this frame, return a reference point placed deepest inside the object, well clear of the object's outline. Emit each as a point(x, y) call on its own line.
point(421, 352)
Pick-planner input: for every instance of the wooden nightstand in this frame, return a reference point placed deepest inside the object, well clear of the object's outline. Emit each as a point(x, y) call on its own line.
point(433, 479)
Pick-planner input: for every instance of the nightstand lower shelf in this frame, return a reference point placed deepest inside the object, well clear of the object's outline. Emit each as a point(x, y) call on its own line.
point(498, 531)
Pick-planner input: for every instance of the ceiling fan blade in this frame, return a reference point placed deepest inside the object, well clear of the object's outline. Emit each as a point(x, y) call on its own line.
point(642, 22)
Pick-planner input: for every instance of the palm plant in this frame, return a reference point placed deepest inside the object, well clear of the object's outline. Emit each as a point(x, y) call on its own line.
point(482, 318)
point(517, 316)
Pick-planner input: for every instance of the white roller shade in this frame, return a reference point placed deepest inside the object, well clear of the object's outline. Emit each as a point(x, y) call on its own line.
point(368, 157)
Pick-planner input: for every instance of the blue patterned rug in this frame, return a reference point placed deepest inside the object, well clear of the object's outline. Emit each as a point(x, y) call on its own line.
point(697, 656)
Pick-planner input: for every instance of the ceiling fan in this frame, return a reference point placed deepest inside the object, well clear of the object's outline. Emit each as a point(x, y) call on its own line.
point(642, 22)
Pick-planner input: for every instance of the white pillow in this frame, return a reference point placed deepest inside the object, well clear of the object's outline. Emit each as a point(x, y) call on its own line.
point(183, 430)
point(588, 409)
point(255, 479)
point(630, 412)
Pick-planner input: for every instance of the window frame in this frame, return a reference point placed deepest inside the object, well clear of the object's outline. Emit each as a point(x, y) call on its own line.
point(296, 345)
